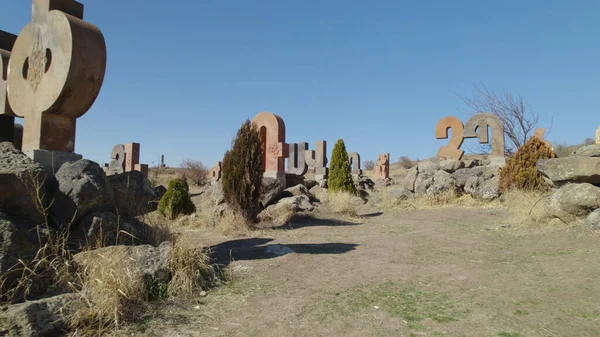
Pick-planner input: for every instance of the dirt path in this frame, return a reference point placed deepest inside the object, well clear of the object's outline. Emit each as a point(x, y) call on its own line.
point(450, 272)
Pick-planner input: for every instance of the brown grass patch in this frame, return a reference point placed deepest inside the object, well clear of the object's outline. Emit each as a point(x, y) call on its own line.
point(440, 200)
point(343, 203)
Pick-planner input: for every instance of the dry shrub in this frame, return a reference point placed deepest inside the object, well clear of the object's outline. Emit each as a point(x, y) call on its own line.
point(195, 171)
point(191, 270)
point(405, 162)
point(521, 171)
point(277, 215)
point(344, 203)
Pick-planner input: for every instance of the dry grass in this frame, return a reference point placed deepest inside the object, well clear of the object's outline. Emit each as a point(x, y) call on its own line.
point(441, 200)
point(277, 215)
point(191, 270)
point(532, 209)
point(343, 203)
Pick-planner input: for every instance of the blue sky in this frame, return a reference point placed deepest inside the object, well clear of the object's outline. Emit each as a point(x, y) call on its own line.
point(183, 76)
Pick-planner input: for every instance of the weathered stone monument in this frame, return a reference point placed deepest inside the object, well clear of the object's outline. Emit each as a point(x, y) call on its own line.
point(272, 133)
point(215, 171)
point(539, 134)
point(7, 116)
point(598, 135)
point(382, 167)
point(297, 158)
point(55, 73)
point(477, 127)
point(452, 150)
point(162, 161)
point(317, 159)
point(125, 158)
point(355, 163)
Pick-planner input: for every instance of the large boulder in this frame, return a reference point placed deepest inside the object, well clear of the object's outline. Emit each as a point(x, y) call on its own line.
point(271, 191)
point(451, 165)
point(423, 182)
point(588, 151)
point(480, 188)
point(216, 190)
point(19, 240)
point(22, 185)
point(145, 261)
point(592, 221)
point(297, 190)
point(428, 166)
point(133, 193)
point(400, 193)
point(434, 182)
point(411, 178)
point(485, 172)
point(99, 229)
point(45, 317)
point(571, 169)
point(82, 187)
point(573, 201)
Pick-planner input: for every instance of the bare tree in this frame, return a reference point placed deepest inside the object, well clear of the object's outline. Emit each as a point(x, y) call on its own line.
point(369, 165)
point(517, 117)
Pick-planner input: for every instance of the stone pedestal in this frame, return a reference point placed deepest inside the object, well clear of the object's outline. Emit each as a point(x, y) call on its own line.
point(498, 161)
point(52, 160)
point(281, 176)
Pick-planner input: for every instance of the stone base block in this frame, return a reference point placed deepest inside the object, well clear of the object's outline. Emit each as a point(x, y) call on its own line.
point(498, 161)
point(52, 160)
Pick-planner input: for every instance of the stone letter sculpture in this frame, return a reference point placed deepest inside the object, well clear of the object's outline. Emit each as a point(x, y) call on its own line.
point(477, 127)
point(452, 150)
point(272, 133)
point(318, 160)
point(55, 73)
point(598, 135)
point(382, 167)
point(117, 160)
point(7, 116)
point(355, 163)
point(297, 159)
point(539, 134)
point(215, 172)
point(132, 156)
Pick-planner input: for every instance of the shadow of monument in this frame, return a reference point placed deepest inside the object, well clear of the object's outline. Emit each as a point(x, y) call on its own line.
point(303, 220)
point(371, 215)
point(257, 249)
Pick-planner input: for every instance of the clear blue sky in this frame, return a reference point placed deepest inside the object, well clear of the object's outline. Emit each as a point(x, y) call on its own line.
point(183, 75)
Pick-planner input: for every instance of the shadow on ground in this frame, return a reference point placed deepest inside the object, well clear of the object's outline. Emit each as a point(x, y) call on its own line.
point(258, 249)
point(303, 220)
point(371, 215)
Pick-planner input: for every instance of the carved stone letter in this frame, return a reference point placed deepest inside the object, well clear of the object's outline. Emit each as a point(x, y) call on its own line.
point(452, 150)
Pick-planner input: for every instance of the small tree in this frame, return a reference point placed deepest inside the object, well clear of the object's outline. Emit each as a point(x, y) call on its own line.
point(243, 171)
point(521, 171)
point(369, 165)
point(176, 201)
point(195, 171)
point(340, 175)
point(405, 162)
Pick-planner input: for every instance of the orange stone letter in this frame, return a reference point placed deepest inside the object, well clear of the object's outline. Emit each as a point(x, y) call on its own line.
point(272, 133)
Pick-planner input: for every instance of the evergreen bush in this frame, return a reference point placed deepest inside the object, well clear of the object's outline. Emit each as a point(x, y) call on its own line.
point(521, 171)
point(176, 201)
point(340, 175)
point(243, 172)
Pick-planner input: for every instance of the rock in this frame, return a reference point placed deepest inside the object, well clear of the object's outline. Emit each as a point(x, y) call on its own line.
point(293, 179)
point(323, 183)
point(592, 221)
point(310, 183)
point(18, 241)
point(428, 166)
point(365, 183)
point(485, 172)
point(400, 193)
point(45, 317)
point(271, 190)
point(82, 187)
point(451, 165)
point(278, 250)
point(423, 182)
point(133, 194)
point(442, 182)
point(592, 150)
point(159, 191)
point(483, 189)
point(571, 169)
point(145, 261)
point(319, 193)
point(295, 191)
point(574, 201)
point(298, 203)
point(216, 191)
point(99, 229)
point(19, 177)
point(411, 178)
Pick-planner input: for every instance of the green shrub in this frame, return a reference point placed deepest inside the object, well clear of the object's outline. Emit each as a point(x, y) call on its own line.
point(176, 200)
point(243, 172)
point(340, 175)
point(521, 171)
